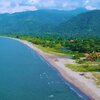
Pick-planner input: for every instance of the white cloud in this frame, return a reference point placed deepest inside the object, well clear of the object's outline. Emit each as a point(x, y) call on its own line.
point(71, 5)
point(92, 4)
point(90, 7)
point(17, 9)
point(32, 2)
point(12, 6)
point(86, 2)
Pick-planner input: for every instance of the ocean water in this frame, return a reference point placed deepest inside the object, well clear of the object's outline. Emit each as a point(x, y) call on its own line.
point(24, 75)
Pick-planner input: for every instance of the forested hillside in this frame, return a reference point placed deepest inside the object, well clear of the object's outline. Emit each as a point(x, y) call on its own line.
point(30, 22)
point(75, 23)
point(82, 25)
point(34, 21)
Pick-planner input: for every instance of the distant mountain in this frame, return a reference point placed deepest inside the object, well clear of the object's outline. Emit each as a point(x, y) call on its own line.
point(87, 23)
point(78, 11)
point(35, 21)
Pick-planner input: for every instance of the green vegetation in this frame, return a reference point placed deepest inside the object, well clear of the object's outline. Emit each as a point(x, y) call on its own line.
point(78, 23)
point(69, 23)
point(85, 51)
point(96, 77)
point(85, 24)
point(30, 22)
point(50, 50)
point(84, 67)
point(79, 47)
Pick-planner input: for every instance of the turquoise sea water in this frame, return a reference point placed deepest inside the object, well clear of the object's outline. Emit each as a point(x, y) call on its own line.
point(24, 75)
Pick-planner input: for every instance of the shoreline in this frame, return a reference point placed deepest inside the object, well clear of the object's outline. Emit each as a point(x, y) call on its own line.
point(80, 82)
point(72, 77)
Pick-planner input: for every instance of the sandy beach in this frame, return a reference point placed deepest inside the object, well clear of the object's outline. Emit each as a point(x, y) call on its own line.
point(83, 84)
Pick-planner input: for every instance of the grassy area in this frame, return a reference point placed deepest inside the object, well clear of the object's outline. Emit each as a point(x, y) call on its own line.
point(51, 50)
point(47, 49)
point(96, 77)
point(84, 67)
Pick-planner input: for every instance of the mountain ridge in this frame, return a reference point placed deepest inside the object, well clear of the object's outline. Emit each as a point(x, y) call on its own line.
point(87, 23)
point(33, 21)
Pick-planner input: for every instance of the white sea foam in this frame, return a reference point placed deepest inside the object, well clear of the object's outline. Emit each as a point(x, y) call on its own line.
point(67, 84)
point(41, 76)
point(51, 96)
point(48, 83)
point(41, 58)
point(76, 92)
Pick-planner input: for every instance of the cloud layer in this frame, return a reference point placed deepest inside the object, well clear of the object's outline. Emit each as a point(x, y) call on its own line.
point(11, 6)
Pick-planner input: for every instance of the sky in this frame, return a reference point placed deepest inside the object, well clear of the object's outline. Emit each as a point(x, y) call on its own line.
point(11, 6)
